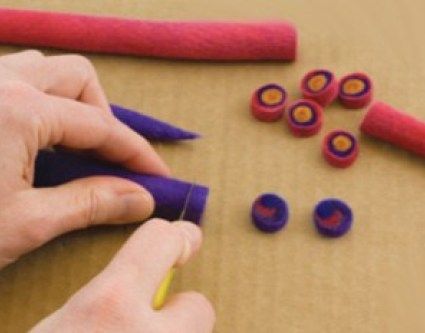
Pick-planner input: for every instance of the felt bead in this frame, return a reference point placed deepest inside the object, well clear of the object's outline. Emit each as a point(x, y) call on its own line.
point(304, 118)
point(384, 122)
point(340, 148)
point(320, 85)
point(201, 40)
point(332, 217)
point(268, 102)
point(269, 212)
point(355, 90)
point(151, 128)
point(172, 197)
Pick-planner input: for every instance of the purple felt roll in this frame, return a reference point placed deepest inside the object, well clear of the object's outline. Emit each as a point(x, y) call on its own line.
point(174, 199)
point(151, 128)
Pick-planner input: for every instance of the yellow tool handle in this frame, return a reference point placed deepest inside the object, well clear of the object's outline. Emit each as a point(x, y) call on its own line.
point(161, 293)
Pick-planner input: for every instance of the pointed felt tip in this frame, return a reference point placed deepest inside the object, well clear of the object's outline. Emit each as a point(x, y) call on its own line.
point(151, 128)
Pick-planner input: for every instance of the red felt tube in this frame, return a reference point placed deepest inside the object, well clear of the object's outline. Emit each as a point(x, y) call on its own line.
point(200, 40)
point(384, 122)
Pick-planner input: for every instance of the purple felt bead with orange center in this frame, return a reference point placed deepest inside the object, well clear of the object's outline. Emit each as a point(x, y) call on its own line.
point(340, 148)
point(355, 90)
point(268, 102)
point(332, 217)
point(269, 212)
point(304, 118)
point(320, 85)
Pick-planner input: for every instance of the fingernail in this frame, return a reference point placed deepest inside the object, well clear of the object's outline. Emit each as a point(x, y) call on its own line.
point(193, 239)
point(139, 204)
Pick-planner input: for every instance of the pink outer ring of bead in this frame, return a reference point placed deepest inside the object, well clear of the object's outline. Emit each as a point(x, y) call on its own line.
point(268, 113)
point(356, 102)
point(300, 130)
point(325, 96)
point(333, 159)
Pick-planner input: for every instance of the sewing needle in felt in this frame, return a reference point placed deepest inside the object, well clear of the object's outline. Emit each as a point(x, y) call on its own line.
point(162, 292)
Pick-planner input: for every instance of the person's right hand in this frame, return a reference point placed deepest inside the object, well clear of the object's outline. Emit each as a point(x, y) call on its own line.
point(120, 298)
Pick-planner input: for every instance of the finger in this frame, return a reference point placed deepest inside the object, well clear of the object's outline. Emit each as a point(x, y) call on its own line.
point(189, 312)
point(46, 213)
point(151, 251)
point(61, 121)
point(72, 76)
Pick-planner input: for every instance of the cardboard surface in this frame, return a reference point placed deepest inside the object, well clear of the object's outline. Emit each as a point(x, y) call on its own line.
point(295, 281)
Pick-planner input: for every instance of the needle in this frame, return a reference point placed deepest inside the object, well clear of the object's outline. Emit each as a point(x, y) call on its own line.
point(161, 293)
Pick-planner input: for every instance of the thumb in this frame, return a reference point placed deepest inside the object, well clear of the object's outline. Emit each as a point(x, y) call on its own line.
point(32, 217)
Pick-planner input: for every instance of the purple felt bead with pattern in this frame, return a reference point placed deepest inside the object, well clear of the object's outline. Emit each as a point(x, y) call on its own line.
point(172, 196)
point(269, 212)
point(332, 217)
point(151, 128)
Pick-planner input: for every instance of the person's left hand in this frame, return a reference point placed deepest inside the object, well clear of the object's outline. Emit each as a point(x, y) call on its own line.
point(57, 100)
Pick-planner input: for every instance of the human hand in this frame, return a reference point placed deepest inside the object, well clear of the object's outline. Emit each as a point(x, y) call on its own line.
point(120, 298)
point(46, 101)
point(57, 100)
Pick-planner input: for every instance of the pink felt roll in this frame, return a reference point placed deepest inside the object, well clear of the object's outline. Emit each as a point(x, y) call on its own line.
point(203, 40)
point(384, 122)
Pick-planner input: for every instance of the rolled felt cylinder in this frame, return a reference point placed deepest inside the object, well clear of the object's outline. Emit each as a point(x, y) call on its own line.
point(332, 217)
point(269, 212)
point(384, 122)
point(268, 102)
point(304, 118)
point(340, 148)
point(172, 196)
point(320, 85)
point(355, 90)
point(203, 40)
point(151, 128)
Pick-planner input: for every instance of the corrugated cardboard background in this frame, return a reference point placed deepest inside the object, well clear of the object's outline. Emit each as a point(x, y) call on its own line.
point(294, 281)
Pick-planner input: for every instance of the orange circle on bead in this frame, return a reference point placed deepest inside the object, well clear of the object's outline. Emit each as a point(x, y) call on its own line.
point(317, 82)
point(271, 96)
point(302, 114)
point(353, 86)
point(341, 143)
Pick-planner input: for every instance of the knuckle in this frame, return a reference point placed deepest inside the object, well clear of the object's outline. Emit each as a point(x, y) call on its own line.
point(165, 230)
point(198, 302)
point(108, 302)
point(83, 62)
point(33, 53)
point(12, 92)
point(92, 206)
point(31, 231)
